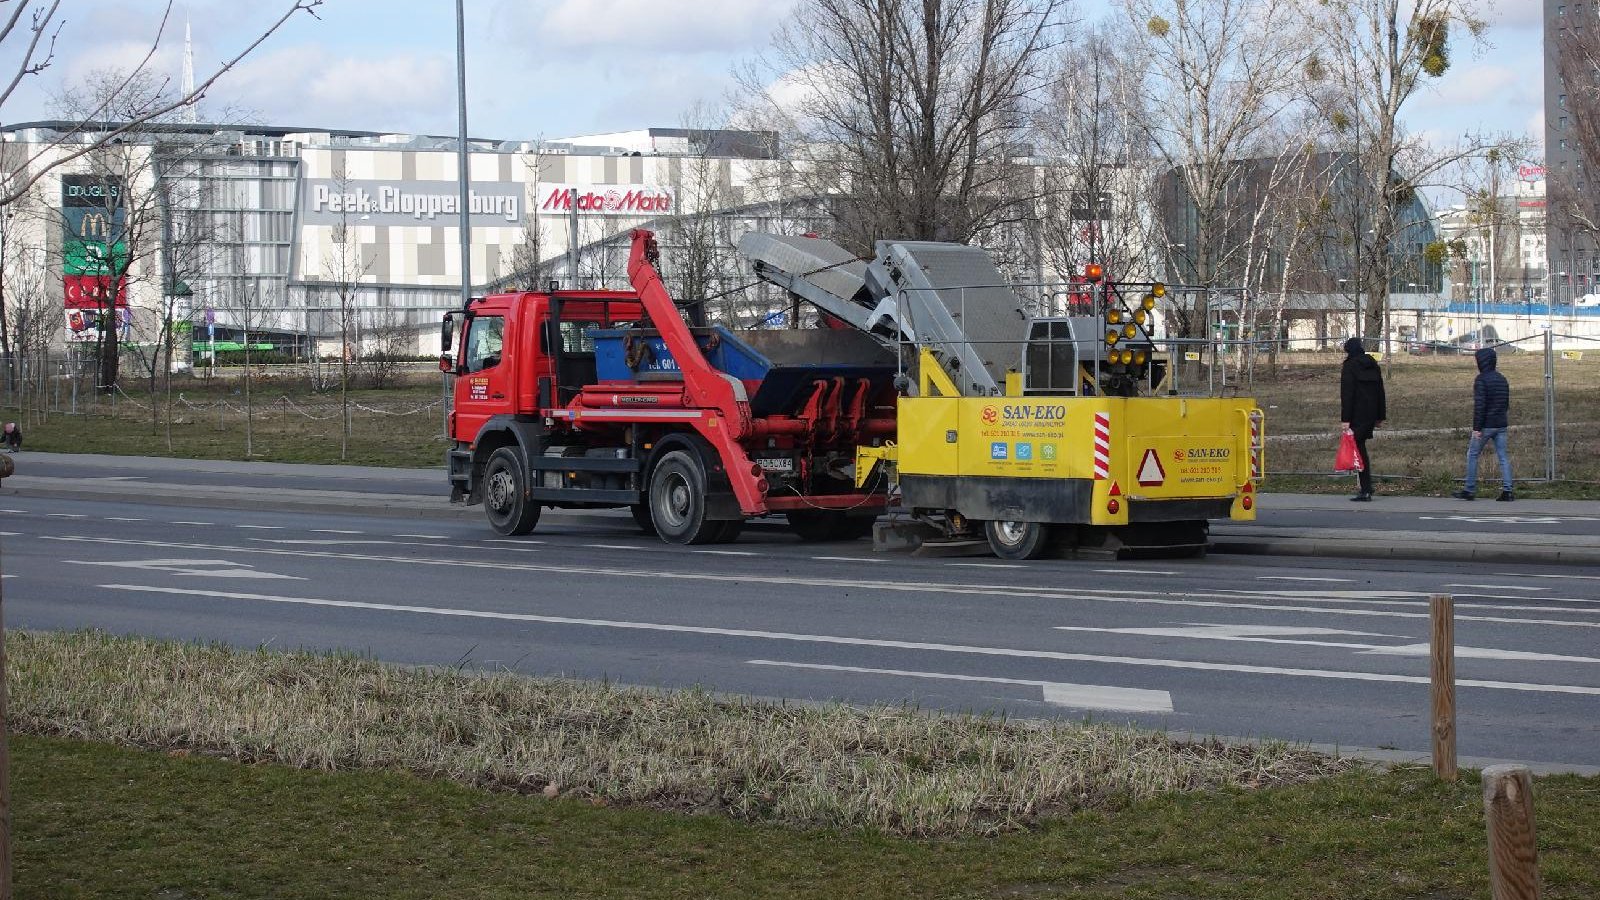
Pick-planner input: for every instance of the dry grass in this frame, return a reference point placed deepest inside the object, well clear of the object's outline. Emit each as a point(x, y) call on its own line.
point(1430, 417)
point(400, 426)
point(897, 770)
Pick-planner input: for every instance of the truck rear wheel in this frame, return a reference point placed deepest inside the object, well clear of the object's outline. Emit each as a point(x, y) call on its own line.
point(678, 501)
point(1018, 540)
point(505, 494)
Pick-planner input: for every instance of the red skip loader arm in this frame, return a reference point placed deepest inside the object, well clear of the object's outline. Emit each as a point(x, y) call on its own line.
point(704, 387)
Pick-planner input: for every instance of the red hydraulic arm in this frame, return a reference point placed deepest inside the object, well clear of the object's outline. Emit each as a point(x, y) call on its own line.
point(704, 386)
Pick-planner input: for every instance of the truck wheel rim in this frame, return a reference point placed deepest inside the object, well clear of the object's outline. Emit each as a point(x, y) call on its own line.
point(678, 501)
point(500, 490)
point(1011, 533)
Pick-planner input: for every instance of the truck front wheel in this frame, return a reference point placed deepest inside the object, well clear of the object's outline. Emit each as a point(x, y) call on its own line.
point(678, 501)
point(505, 494)
point(1018, 540)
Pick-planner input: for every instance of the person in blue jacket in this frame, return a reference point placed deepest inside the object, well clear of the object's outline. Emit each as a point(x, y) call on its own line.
point(1491, 408)
point(1362, 406)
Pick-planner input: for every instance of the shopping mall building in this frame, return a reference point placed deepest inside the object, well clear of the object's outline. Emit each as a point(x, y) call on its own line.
point(293, 231)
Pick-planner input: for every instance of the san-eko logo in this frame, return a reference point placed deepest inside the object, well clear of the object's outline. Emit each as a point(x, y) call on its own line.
point(623, 201)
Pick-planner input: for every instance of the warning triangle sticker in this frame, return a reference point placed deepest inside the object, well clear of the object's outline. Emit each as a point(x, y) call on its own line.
point(1150, 472)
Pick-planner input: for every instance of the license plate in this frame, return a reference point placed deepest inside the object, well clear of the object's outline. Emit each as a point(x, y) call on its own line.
point(776, 464)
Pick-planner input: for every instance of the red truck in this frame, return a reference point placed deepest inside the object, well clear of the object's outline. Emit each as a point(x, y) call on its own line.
point(608, 399)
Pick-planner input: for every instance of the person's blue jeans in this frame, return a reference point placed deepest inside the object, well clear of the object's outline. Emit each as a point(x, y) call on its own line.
point(1475, 446)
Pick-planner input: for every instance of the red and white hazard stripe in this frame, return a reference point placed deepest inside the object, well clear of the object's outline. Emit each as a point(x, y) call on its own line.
point(1255, 443)
point(1102, 446)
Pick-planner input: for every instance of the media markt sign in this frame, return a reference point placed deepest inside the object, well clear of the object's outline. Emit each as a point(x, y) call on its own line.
point(607, 199)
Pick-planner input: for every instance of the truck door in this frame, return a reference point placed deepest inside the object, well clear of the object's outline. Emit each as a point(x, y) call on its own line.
point(486, 383)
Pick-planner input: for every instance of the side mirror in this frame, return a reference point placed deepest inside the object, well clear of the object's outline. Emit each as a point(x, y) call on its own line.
point(447, 333)
point(446, 364)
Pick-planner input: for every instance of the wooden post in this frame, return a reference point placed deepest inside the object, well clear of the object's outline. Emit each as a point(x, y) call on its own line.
point(1442, 674)
point(1513, 855)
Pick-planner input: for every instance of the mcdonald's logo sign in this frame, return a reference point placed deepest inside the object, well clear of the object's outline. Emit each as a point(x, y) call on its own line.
point(94, 225)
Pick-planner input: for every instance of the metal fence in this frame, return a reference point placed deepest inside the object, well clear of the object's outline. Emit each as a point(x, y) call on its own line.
point(1554, 375)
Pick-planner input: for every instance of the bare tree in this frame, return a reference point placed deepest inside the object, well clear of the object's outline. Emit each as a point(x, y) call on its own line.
point(1220, 71)
point(28, 33)
point(344, 265)
point(526, 266)
point(1100, 162)
point(914, 115)
point(1373, 57)
point(32, 313)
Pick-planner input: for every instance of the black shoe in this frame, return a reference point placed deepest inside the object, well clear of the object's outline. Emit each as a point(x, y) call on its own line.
point(1361, 498)
point(1463, 495)
point(1505, 497)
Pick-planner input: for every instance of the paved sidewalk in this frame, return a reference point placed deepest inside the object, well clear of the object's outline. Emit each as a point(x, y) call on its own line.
point(166, 485)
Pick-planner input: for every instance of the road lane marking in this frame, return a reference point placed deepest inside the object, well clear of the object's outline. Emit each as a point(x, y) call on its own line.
point(1538, 575)
point(1512, 520)
point(1301, 578)
point(431, 537)
point(847, 559)
point(1481, 653)
point(125, 519)
point(792, 637)
point(15, 512)
point(1500, 587)
point(1137, 572)
point(10, 534)
point(510, 541)
point(1277, 634)
point(262, 527)
point(65, 516)
point(1056, 693)
point(334, 531)
point(1179, 599)
point(961, 565)
point(194, 523)
point(202, 567)
point(333, 542)
point(727, 552)
point(618, 547)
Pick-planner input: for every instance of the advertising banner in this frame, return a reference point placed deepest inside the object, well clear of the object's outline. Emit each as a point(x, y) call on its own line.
point(94, 253)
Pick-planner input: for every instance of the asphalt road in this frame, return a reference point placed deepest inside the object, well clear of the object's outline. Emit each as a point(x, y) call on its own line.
point(1387, 513)
point(1328, 651)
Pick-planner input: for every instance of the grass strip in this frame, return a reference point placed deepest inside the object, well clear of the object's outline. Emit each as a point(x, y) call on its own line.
point(96, 821)
point(896, 770)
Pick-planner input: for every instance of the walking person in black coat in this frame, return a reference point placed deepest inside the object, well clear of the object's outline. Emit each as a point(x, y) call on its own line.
point(1491, 409)
point(1362, 407)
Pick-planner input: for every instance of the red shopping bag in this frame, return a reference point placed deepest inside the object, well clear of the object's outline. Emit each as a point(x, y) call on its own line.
point(1348, 458)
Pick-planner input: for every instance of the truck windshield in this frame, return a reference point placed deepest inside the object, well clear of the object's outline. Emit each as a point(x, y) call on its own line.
point(484, 339)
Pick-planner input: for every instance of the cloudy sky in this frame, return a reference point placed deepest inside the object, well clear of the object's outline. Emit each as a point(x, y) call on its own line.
point(552, 68)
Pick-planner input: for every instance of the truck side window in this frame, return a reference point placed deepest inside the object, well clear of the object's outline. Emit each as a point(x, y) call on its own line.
point(484, 339)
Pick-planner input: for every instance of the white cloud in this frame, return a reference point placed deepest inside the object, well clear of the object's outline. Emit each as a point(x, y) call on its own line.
point(664, 26)
point(312, 85)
